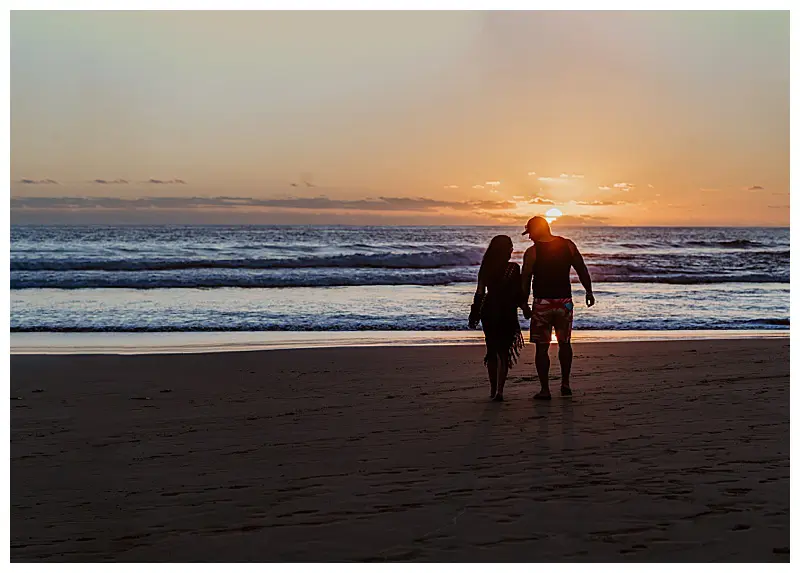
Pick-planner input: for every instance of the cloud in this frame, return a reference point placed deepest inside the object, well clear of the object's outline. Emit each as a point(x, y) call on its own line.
point(704, 189)
point(477, 186)
point(598, 203)
point(621, 186)
point(38, 181)
point(541, 201)
point(489, 205)
point(417, 204)
point(561, 178)
point(755, 188)
point(562, 221)
point(531, 173)
point(579, 220)
point(451, 186)
point(110, 182)
point(166, 181)
point(650, 185)
point(492, 183)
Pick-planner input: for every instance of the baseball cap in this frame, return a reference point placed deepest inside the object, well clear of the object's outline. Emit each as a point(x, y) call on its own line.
point(530, 223)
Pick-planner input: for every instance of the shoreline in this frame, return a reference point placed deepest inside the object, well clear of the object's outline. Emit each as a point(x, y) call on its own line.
point(136, 343)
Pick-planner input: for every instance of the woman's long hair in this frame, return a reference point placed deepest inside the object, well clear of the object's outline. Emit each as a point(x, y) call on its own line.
point(495, 259)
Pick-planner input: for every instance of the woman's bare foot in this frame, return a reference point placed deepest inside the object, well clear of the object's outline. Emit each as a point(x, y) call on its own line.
point(498, 398)
point(566, 390)
point(542, 396)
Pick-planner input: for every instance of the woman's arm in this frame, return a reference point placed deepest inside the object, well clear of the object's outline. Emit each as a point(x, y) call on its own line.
point(477, 302)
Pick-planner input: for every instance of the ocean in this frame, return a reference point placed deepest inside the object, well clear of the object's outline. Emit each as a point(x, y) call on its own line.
point(310, 278)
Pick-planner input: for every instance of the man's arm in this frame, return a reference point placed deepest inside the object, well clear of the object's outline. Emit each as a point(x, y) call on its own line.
point(583, 273)
point(527, 274)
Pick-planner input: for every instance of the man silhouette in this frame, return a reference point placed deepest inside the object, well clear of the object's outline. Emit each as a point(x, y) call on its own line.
point(548, 262)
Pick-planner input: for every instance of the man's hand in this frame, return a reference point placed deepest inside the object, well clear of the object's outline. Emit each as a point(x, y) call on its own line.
point(526, 311)
point(589, 299)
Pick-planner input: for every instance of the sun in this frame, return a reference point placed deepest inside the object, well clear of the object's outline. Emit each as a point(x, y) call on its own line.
point(552, 215)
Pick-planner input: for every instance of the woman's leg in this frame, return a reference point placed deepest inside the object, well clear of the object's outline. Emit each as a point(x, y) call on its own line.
point(502, 374)
point(491, 367)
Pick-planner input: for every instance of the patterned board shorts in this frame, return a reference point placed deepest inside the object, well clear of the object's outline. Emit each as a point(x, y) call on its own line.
point(549, 314)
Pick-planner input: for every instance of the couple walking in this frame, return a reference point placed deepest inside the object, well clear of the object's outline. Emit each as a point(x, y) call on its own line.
point(502, 288)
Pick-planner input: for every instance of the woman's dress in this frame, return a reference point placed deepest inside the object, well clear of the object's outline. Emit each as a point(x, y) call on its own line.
point(499, 315)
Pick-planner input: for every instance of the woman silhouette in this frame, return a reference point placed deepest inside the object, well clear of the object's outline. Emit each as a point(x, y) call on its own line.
point(497, 298)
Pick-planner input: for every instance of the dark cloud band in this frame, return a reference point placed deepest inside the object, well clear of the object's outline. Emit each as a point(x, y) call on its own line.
point(317, 203)
point(38, 181)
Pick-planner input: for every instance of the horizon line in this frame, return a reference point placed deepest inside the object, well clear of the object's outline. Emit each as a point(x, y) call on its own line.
point(609, 226)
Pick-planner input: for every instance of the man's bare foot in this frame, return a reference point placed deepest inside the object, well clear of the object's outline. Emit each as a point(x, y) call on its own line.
point(566, 390)
point(543, 396)
point(498, 398)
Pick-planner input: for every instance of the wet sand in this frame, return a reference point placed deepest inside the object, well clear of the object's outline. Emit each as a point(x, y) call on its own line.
point(669, 451)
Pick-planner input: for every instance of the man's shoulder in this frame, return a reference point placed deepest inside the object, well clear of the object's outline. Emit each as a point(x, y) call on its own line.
point(570, 243)
point(530, 253)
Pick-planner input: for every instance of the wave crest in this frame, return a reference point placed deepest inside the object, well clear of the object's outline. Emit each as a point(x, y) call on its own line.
point(422, 260)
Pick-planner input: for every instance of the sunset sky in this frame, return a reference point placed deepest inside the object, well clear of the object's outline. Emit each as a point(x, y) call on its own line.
point(621, 118)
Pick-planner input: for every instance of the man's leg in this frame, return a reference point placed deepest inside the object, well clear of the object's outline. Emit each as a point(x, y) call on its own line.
point(565, 358)
point(562, 321)
point(541, 329)
point(543, 367)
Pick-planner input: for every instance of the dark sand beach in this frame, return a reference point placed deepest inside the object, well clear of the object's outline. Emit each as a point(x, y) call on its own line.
point(669, 451)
